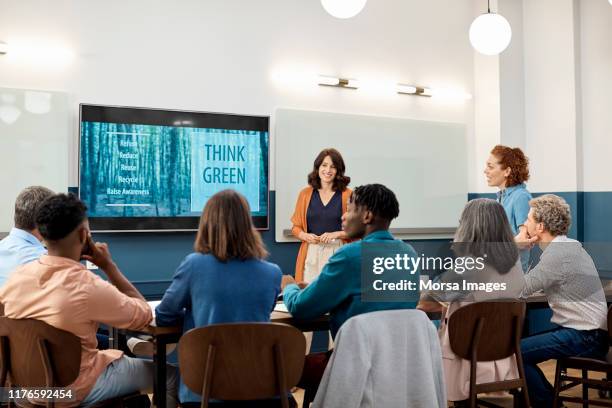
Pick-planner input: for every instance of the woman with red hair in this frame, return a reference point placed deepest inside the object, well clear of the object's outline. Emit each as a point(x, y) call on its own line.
point(508, 169)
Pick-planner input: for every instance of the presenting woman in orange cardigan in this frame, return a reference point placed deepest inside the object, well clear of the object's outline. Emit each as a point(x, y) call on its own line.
point(318, 212)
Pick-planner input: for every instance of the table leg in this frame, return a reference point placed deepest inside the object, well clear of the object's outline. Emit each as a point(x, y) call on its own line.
point(113, 338)
point(159, 381)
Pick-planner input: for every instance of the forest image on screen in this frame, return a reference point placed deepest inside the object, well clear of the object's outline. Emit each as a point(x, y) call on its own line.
point(130, 170)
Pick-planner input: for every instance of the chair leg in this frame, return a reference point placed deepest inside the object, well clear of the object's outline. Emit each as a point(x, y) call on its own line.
point(308, 397)
point(517, 401)
point(519, 361)
point(557, 385)
point(520, 399)
point(524, 401)
point(525, 394)
point(473, 400)
point(585, 388)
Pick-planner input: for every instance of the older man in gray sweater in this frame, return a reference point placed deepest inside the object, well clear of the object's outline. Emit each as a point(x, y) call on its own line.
point(568, 277)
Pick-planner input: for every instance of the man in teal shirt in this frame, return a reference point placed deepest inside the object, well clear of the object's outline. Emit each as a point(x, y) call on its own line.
point(338, 289)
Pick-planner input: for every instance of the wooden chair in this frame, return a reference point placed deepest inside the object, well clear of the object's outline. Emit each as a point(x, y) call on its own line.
point(487, 331)
point(35, 354)
point(242, 361)
point(585, 365)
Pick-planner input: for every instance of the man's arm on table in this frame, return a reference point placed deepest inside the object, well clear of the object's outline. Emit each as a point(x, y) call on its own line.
point(544, 275)
point(324, 293)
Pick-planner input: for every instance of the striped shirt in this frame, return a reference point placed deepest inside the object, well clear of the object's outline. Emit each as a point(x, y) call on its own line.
point(568, 277)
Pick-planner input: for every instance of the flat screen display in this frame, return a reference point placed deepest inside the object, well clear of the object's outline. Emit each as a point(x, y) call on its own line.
point(153, 169)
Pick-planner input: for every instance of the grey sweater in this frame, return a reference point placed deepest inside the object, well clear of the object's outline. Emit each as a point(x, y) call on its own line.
point(384, 359)
point(567, 275)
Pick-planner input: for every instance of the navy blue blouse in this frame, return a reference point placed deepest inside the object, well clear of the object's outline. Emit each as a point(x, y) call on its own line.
point(324, 218)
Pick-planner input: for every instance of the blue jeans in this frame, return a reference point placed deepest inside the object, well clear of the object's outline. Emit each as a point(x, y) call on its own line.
point(128, 375)
point(559, 343)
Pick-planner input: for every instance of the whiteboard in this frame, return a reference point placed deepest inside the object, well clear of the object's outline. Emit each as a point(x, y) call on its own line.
point(424, 163)
point(35, 135)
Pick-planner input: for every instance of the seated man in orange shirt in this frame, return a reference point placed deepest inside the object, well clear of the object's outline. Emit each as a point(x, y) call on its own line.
point(60, 291)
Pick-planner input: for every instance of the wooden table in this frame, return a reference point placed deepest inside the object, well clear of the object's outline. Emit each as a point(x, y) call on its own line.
point(162, 336)
point(318, 324)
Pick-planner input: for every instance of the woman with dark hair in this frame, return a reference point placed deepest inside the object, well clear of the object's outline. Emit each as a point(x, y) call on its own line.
point(226, 279)
point(483, 232)
point(317, 219)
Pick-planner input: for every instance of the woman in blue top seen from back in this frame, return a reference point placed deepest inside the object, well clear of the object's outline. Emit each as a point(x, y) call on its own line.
point(226, 279)
point(508, 169)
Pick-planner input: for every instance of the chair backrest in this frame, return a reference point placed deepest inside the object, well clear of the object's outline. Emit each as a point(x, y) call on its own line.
point(242, 361)
point(36, 354)
point(394, 350)
point(491, 329)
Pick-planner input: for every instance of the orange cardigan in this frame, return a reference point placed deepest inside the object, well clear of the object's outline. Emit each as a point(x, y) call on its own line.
point(299, 225)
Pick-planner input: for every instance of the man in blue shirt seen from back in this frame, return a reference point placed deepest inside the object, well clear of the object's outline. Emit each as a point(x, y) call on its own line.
point(23, 244)
point(338, 289)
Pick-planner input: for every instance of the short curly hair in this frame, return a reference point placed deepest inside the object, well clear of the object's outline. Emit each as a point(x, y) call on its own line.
point(59, 215)
point(378, 199)
point(552, 211)
point(516, 160)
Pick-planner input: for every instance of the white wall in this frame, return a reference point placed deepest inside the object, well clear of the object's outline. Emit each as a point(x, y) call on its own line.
point(511, 72)
point(550, 94)
point(554, 91)
point(227, 56)
point(487, 119)
point(596, 97)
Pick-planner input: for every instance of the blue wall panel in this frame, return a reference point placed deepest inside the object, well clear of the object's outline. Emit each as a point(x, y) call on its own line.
point(573, 199)
point(598, 216)
point(150, 259)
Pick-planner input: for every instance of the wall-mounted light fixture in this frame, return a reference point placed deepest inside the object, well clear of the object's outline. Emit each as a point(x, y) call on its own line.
point(438, 93)
point(304, 79)
point(413, 90)
point(40, 54)
point(325, 80)
point(425, 92)
point(406, 89)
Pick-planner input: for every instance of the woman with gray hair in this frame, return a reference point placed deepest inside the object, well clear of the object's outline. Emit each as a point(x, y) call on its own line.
point(483, 233)
point(567, 275)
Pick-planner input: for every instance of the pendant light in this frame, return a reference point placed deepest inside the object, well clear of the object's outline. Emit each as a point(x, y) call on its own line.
point(490, 33)
point(343, 8)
